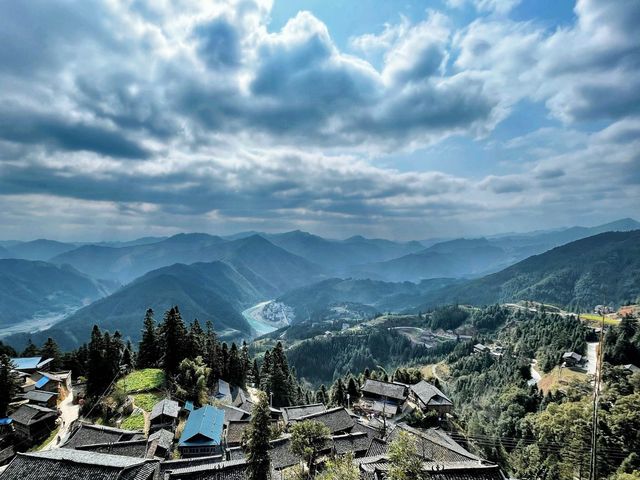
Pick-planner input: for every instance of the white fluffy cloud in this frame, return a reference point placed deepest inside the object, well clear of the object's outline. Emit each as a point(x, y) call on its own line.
point(165, 114)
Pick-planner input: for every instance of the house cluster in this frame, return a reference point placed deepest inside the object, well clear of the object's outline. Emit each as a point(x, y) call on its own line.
point(34, 409)
point(390, 399)
point(209, 440)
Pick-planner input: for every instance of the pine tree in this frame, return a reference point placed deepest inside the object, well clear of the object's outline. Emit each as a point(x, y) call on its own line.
point(280, 379)
point(128, 357)
point(321, 395)
point(224, 362)
point(148, 349)
point(246, 362)
point(352, 389)
point(212, 353)
point(308, 438)
point(96, 374)
point(255, 374)
point(257, 441)
point(338, 394)
point(8, 384)
point(50, 349)
point(173, 335)
point(30, 350)
point(197, 340)
point(235, 366)
point(265, 373)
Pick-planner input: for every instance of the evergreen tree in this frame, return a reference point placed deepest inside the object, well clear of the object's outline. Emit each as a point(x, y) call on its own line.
point(173, 334)
point(197, 340)
point(224, 362)
point(246, 362)
point(8, 384)
point(212, 353)
point(338, 395)
point(192, 380)
point(321, 395)
point(30, 350)
point(352, 389)
point(50, 349)
point(128, 357)
point(256, 442)
point(148, 348)
point(7, 350)
point(265, 373)
point(280, 379)
point(235, 366)
point(255, 373)
point(96, 373)
point(340, 468)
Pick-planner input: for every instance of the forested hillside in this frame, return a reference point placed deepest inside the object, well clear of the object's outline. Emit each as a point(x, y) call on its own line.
point(28, 288)
point(601, 269)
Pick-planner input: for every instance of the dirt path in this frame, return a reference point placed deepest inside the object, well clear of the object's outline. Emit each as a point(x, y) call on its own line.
point(69, 414)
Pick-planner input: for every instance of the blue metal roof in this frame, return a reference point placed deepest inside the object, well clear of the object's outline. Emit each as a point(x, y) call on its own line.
point(42, 382)
point(203, 428)
point(188, 405)
point(6, 421)
point(26, 363)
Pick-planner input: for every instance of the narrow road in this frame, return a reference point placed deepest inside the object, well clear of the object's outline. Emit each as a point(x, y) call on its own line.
point(69, 414)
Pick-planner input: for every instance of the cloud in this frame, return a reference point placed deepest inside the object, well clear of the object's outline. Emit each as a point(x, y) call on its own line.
point(173, 113)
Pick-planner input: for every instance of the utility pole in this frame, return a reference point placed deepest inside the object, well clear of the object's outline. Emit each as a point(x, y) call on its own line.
point(593, 472)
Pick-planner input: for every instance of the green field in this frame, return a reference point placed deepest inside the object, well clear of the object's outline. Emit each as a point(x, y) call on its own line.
point(595, 318)
point(142, 381)
point(146, 401)
point(133, 422)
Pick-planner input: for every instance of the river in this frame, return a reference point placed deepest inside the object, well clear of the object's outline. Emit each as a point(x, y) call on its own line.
point(260, 326)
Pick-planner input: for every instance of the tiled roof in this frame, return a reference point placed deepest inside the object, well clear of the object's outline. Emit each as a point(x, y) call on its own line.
point(369, 430)
point(164, 438)
point(131, 448)
point(65, 464)
point(205, 423)
point(430, 394)
point(293, 413)
point(167, 407)
point(189, 462)
point(378, 447)
point(236, 453)
point(434, 445)
point(29, 414)
point(376, 467)
point(235, 430)
point(336, 419)
point(39, 395)
point(229, 470)
point(87, 434)
point(232, 413)
point(386, 389)
point(351, 442)
point(281, 455)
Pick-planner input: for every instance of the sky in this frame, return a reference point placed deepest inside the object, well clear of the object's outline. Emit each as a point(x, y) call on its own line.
point(403, 119)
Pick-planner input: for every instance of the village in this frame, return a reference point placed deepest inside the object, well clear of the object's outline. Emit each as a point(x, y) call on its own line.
point(44, 436)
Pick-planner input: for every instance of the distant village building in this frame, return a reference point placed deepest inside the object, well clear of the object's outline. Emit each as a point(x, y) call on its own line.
point(337, 420)
point(290, 414)
point(33, 422)
point(164, 415)
point(234, 431)
point(480, 348)
point(429, 398)
point(83, 434)
point(159, 444)
point(630, 367)
point(202, 434)
point(571, 359)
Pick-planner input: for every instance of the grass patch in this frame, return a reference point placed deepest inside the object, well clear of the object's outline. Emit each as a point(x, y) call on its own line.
point(560, 378)
point(594, 318)
point(133, 422)
point(142, 380)
point(146, 401)
point(46, 441)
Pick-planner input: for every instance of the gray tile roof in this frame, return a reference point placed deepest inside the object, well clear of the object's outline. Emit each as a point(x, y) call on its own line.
point(65, 464)
point(434, 445)
point(281, 455)
point(357, 443)
point(235, 430)
point(87, 434)
point(39, 395)
point(377, 467)
point(189, 462)
point(167, 407)
point(370, 431)
point(430, 394)
point(229, 470)
point(132, 448)
point(232, 413)
point(336, 419)
point(164, 438)
point(30, 414)
point(386, 389)
point(293, 413)
point(236, 453)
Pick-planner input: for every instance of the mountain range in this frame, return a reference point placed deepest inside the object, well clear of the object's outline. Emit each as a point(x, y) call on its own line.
point(215, 278)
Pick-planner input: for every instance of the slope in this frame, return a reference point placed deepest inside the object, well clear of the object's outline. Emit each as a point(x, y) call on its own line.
point(604, 268)
point(30, 288)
